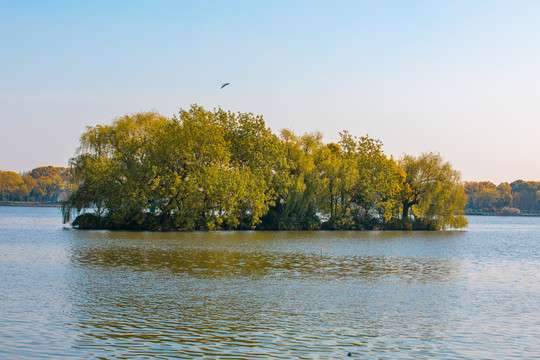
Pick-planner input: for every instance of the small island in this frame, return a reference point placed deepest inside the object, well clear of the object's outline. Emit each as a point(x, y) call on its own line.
point(218, 170)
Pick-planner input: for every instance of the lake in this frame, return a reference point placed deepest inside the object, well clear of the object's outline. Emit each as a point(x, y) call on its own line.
point(470, 294)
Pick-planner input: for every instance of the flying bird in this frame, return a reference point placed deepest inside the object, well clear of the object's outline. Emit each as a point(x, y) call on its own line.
point(222, 86)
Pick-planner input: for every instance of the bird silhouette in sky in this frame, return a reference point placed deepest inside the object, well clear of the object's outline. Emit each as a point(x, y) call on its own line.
point(222, 86)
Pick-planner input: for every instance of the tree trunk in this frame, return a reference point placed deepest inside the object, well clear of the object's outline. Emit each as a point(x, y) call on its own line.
point(405, 214)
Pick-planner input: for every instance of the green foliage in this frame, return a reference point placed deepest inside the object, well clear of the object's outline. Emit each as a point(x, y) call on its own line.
point(202, 169)
point(432, 192)
point(220, 170)
point(299, 185)
point(377, 183)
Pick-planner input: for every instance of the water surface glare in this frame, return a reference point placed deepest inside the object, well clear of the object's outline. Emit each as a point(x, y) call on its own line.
point(471, 294)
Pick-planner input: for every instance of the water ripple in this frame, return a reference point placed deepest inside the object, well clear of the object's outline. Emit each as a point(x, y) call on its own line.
point(269, 295)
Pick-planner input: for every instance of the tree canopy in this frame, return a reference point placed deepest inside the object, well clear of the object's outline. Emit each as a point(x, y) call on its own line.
point(514, 198)
point(220, 170)
point(43, 184)
point(432, 192)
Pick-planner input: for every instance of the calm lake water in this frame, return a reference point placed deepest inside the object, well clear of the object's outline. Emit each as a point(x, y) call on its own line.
point(471, 294)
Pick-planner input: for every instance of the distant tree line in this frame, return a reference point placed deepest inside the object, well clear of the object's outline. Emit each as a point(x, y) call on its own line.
point(42, 184)
point(220, 170)
point(514, 198)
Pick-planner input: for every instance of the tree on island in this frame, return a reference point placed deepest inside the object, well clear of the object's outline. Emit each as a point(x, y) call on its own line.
point(432, 192)
point(219, 170)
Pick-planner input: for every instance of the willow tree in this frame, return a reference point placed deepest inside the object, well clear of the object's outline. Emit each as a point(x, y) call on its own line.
point(377, 183)
point(432, 192)
point(112, 172)
point(295, 207)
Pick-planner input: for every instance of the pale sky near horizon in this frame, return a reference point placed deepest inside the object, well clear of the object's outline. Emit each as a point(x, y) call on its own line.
point(458, 77)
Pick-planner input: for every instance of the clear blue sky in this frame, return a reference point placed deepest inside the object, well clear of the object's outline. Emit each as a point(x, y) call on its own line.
point(458, 77)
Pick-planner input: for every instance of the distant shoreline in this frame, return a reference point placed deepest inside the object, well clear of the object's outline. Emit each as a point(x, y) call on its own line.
point(499, 214)
point(28, 204)
point(57, 204)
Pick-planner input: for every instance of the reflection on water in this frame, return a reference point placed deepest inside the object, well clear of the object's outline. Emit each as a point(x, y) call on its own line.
point(238, 296)
point(271, 295)
point(206, 263)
